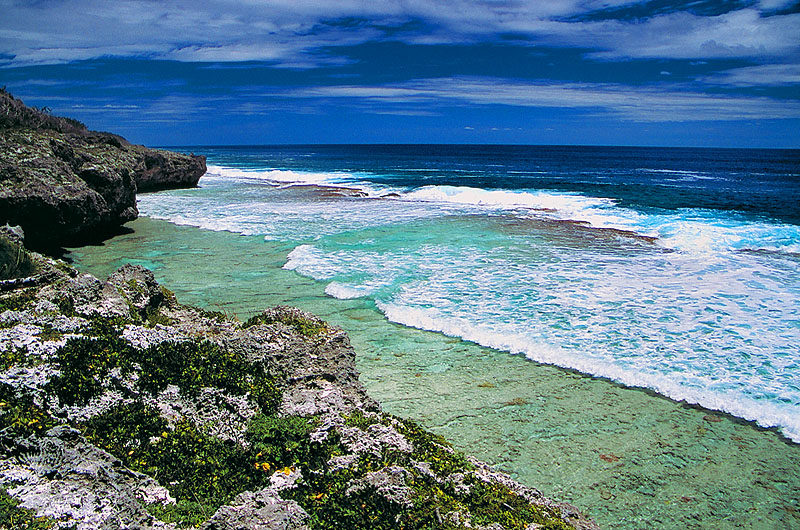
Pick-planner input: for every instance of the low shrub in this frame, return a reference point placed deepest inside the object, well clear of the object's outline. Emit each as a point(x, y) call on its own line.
point(85, 365)
point(17, 301)
point(302, 325)
point(201, 471)
point(20, 418)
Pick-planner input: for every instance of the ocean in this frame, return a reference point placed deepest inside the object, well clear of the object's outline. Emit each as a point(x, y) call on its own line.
point(674, 271)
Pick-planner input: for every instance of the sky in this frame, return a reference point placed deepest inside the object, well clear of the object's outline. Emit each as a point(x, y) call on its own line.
point(575, 72)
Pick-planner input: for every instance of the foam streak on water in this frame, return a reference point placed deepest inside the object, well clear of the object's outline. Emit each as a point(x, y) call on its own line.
point(698, 304)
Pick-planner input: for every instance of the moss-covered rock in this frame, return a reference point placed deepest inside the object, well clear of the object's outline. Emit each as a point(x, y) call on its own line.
point(15, 260)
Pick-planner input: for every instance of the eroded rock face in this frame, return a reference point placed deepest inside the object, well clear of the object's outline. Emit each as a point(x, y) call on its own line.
point(66, 185)
point(159, 170)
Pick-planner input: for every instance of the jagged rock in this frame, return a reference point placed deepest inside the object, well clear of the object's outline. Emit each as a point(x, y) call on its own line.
point(160, 170)
point(389, 482)
point(15, 261)
point(66, 185)
point(138, 286)
point(64, 477)
point(262, 510)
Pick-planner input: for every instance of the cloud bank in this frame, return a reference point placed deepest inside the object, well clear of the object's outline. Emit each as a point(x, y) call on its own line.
point(304, 34)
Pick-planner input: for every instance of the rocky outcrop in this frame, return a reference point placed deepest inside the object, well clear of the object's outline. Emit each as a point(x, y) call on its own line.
point(159, 170)
point(66, 185)
point(121, 408)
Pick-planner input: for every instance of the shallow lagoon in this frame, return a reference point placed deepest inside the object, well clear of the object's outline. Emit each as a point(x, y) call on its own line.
point(629, 458)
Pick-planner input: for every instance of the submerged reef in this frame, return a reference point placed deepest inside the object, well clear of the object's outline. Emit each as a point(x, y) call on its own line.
point(122, 408)
point(65, 184)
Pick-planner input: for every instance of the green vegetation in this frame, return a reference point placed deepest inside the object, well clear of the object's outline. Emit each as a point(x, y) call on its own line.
point(184, 513)
point(333, 502)
point(85, 365)
point(495, 503)
point(433, 448)
point(191, 366)
point(154, 317)
point(437, 487)
point(283, 442)
point(302, 325)
point(20, 418)
point(219, 316)
point(17, 301)
point(12, 357)
point(14, 113)
point(201, 471)
point(204, 472)
point(194, 466)
point(358, 419)
point(49, 333)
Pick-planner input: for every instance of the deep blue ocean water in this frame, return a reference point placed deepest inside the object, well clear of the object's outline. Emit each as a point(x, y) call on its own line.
point(675, 270)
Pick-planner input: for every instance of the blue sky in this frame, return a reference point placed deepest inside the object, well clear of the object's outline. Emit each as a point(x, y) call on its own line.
point(607, 72)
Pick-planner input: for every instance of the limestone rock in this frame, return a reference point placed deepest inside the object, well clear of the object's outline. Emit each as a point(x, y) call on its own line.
point(262, 510)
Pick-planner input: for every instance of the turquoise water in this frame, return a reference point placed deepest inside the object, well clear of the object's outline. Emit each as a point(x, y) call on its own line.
point(681, 277)
point(537, 305)
point(630, 458)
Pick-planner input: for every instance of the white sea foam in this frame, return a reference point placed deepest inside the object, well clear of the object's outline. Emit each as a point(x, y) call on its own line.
point(685, 176)
point(765, 413)
point(710, 331)
point(440, 258)
point(280, 176)
point(348, 292)
point(695, 231)
point(507, 199)
point(688, 230)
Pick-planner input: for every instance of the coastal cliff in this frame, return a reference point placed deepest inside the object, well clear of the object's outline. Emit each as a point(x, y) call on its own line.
point(122, 408)
point(65, 184)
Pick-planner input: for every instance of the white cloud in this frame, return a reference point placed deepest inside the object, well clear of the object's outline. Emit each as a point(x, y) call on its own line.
point(766, 75)
point(741, 33)
point(640, 104)
point(290, 31)
point(775, 5)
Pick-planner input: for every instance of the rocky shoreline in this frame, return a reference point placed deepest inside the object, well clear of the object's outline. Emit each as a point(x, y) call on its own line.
point(67, 185)
point(122, 408)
